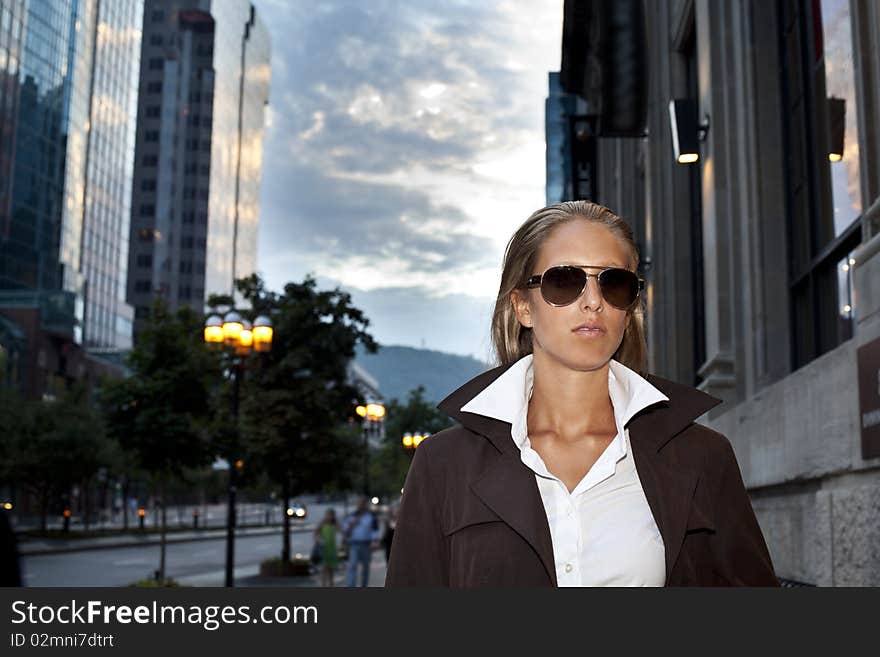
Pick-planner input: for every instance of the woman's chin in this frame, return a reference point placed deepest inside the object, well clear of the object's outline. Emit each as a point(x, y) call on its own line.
point(582, 359)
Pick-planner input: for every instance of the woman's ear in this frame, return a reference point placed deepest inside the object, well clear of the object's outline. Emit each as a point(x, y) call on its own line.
point(520, 305)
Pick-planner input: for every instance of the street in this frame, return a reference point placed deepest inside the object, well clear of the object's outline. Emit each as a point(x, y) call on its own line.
point(197, 563)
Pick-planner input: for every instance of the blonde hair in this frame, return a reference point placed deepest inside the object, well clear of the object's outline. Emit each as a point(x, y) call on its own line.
point(511, 340)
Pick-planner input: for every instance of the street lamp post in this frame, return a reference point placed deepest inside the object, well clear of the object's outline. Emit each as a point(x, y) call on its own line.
point(411, 441)
point(373, 414)
point(236, 335)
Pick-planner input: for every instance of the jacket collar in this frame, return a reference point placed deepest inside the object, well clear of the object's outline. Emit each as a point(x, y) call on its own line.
point(665, 418)
point(508, 487)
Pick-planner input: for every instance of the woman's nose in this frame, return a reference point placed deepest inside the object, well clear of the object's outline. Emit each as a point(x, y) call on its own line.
point(592, 296)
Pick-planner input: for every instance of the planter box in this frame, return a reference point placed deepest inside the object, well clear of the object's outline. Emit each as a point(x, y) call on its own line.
point(293, 568)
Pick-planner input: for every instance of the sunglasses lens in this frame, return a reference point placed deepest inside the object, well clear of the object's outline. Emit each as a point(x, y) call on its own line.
point(619, 287)
point(562, 285)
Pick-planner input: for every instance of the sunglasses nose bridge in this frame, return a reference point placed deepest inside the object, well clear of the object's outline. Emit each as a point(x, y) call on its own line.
point(591, 294)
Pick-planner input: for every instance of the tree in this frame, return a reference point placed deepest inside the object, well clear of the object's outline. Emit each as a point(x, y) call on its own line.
point(297, 402)
point(161, 414)
point(52, 446)
point(390, 465)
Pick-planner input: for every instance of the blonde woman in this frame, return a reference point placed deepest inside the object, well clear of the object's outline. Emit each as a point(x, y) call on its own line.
point(572, 466)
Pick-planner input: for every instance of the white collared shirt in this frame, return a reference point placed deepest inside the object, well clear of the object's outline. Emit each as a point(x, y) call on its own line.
point(603, 532)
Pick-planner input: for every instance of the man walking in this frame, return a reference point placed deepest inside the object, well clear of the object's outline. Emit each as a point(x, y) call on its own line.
point(361, 531)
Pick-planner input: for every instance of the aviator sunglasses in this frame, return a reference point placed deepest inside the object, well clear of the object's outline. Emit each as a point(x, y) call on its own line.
point(564, 284)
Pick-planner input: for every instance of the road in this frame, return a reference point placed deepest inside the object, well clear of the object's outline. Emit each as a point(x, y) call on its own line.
point(199, 563)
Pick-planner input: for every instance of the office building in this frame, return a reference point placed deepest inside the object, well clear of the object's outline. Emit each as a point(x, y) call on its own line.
point(741, 141)
point(65, 161)
point(195, 201)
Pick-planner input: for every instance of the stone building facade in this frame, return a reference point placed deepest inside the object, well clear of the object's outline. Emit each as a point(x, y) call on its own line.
point(762, 257)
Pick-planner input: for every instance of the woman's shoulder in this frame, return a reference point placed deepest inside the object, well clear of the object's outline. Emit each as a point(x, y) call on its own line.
point(707, 444)
point(455, 447)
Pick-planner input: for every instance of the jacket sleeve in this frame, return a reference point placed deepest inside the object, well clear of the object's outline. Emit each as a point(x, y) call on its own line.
point(418, 550)
point(741, 553)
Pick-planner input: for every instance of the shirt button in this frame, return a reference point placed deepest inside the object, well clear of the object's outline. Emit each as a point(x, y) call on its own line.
point(568, 567)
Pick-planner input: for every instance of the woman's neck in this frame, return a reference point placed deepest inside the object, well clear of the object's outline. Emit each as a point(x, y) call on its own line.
point(567, 402)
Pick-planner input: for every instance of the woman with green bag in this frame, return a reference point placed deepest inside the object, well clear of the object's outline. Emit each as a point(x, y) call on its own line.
point(325, 545)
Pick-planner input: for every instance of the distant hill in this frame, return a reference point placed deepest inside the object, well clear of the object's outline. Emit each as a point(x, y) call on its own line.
point(400, 369)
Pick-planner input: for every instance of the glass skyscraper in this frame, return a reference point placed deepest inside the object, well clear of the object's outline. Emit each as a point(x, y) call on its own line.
point(559, 106)
point(69, 87)
point(195, 201)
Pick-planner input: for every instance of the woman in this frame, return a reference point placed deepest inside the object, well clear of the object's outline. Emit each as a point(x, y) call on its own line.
point(571, 468)
point(325, 534)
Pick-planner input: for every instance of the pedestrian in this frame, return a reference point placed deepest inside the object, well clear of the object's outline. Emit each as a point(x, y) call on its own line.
point(388, 536)
point(361, 531)
point(10, 570)
point(325, 537)
point(571, 465)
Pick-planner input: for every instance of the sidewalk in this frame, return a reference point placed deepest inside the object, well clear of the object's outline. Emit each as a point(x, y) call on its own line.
point(376, 580)
point(32, 547)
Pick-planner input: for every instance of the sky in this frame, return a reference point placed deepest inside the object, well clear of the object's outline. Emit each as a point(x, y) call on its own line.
point(404, 145)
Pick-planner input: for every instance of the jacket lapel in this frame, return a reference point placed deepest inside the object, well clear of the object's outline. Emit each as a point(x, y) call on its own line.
point(508, 486)
point(669, 485)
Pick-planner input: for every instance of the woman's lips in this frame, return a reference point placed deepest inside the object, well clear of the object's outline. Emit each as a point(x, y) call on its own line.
point(589, 332)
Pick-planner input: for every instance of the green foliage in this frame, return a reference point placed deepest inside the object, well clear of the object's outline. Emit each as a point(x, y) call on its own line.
point(389, 466)
point(161, 413)
point(296, 400)
point(49, 446)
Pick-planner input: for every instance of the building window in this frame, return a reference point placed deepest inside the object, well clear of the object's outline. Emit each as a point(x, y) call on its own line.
point(823, 204)
point(157, 16)
point(148, 185)
point(142, 286)
point(145, 260)
point(156, 40)
point(156, 63)
point(151, 136)
point(148, 210)
point(695, 201)
point(154, 87)
point(152, 112)
point(150, 160)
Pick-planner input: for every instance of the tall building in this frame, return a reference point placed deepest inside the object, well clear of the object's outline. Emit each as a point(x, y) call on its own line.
point(751, 175)
point(558, 108)
point(65, 159)
point(195, 201)
point(108, 319)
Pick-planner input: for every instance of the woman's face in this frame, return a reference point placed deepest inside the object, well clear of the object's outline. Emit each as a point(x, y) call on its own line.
point(555, 329)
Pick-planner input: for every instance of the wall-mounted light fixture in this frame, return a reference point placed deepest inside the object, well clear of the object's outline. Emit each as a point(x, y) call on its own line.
point(686, 132)
point(836, 128)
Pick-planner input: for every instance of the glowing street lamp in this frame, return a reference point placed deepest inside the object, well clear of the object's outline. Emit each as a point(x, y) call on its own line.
point(411, 441)
point(232, 328)
point(238, 336)
point(263, 333)
point(373, 413)
point(214, 330)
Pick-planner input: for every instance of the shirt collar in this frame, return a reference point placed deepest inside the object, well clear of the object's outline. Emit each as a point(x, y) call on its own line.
point(507, 397)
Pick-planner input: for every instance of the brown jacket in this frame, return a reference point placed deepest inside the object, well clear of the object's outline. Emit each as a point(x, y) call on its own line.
point(472, 515)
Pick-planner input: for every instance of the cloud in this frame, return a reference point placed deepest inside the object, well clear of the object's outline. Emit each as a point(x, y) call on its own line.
point(405, 147)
